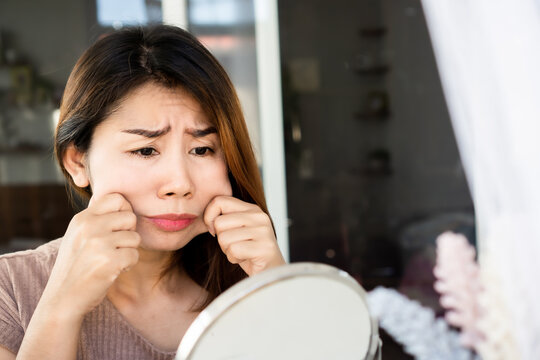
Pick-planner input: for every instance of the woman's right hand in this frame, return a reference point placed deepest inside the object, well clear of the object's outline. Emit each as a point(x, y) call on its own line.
point(99, 244)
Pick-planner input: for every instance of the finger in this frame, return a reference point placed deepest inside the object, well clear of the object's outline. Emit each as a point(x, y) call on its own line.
point(126, 257)
point(236, 220)
point(224, 205)
point(229, 237)
point(117, 221)
point(109, 203)
point(125, 239)
point(241, 251)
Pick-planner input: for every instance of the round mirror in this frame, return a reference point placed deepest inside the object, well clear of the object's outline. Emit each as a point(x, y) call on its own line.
point(296, 311)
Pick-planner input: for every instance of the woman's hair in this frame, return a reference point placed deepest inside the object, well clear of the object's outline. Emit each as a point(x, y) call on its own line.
point(124, 60)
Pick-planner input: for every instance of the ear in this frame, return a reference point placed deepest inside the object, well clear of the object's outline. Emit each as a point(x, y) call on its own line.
point(75, 164)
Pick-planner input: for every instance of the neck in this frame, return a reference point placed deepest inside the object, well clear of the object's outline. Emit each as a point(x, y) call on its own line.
point(144, 279)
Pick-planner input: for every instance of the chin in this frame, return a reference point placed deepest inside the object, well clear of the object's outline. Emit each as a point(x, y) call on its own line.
point(166, 241)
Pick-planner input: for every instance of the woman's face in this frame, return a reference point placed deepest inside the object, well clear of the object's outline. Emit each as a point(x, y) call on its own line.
point(160, 152)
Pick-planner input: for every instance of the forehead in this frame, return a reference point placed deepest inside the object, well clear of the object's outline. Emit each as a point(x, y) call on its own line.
point(153, 106)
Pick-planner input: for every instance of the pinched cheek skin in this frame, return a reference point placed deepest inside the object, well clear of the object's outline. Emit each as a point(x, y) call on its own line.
point(226, 189)
point(119, 182)
point(215, 183)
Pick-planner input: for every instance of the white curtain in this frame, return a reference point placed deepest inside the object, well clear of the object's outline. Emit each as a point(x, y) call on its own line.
point(488, 54)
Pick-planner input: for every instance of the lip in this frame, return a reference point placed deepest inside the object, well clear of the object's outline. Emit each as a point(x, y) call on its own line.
point(172, 222)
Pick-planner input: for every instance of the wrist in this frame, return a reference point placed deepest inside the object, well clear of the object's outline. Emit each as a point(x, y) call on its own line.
point(53, 332)
point(56, 310)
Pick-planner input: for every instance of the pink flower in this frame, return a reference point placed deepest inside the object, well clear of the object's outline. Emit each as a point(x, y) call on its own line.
point(458, 282)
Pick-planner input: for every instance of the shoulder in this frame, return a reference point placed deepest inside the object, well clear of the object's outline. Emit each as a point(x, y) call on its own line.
point(44, 251)
point(36, 262)
point(29, 267)
point(23, 276)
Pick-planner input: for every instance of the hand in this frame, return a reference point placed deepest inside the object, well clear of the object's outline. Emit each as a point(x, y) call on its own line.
point(99, 244)
point(244, 233)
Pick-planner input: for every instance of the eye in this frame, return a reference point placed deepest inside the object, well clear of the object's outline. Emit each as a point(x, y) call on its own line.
point(145, 152)
point(201, 150)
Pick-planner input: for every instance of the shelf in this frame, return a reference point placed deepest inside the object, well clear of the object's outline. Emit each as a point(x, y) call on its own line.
point(372, 117)
point(373, 70)
point(376, 31)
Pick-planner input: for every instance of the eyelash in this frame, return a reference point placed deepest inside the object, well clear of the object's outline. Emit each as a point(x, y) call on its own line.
point(206, 148)
point(138, 152)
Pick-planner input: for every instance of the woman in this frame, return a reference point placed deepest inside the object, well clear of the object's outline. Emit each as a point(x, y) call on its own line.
point(152, 133)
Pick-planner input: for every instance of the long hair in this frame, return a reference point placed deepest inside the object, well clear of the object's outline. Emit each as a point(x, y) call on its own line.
point(124, 60)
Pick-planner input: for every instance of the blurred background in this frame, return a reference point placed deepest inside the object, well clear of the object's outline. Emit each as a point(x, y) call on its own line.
point(361, 148)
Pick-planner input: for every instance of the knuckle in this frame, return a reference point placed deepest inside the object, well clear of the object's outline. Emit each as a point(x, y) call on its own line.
point(207, 216)
point(136, 237)
point(227, 248)
point(220, 198)
point(224, 244)
point(97, 201)
point(84, 228)
point(269, 246)
point(262, 217)
point(78, 218)
point(118, 200)
point(219, 223)
point(266, 230)
point(232, 259)
point(233, 248)
point(116, 197)
point(103, 261)
point(131, 218)
point(214, 201)
point(255, 207)
point(93, 244)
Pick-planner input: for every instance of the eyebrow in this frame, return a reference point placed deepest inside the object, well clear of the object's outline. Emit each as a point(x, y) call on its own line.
point(148, 133)
point(199, 133)
point(196, 133)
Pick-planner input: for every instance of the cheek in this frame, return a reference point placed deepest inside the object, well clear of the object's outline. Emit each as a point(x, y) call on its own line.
point(213, 181)
point(109, 177)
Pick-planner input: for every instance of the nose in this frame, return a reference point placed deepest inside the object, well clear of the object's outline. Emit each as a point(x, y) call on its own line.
point(176, 180)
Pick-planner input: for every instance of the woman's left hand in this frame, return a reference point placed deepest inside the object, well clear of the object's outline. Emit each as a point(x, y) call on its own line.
point(244, 233)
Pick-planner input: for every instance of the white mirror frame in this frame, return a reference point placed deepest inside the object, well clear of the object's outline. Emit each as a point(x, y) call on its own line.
point(239, 291)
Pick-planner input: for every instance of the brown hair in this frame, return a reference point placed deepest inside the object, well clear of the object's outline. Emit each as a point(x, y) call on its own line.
point(123, 61)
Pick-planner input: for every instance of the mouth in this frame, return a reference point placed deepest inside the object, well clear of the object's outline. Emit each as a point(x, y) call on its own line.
point(172, 222)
